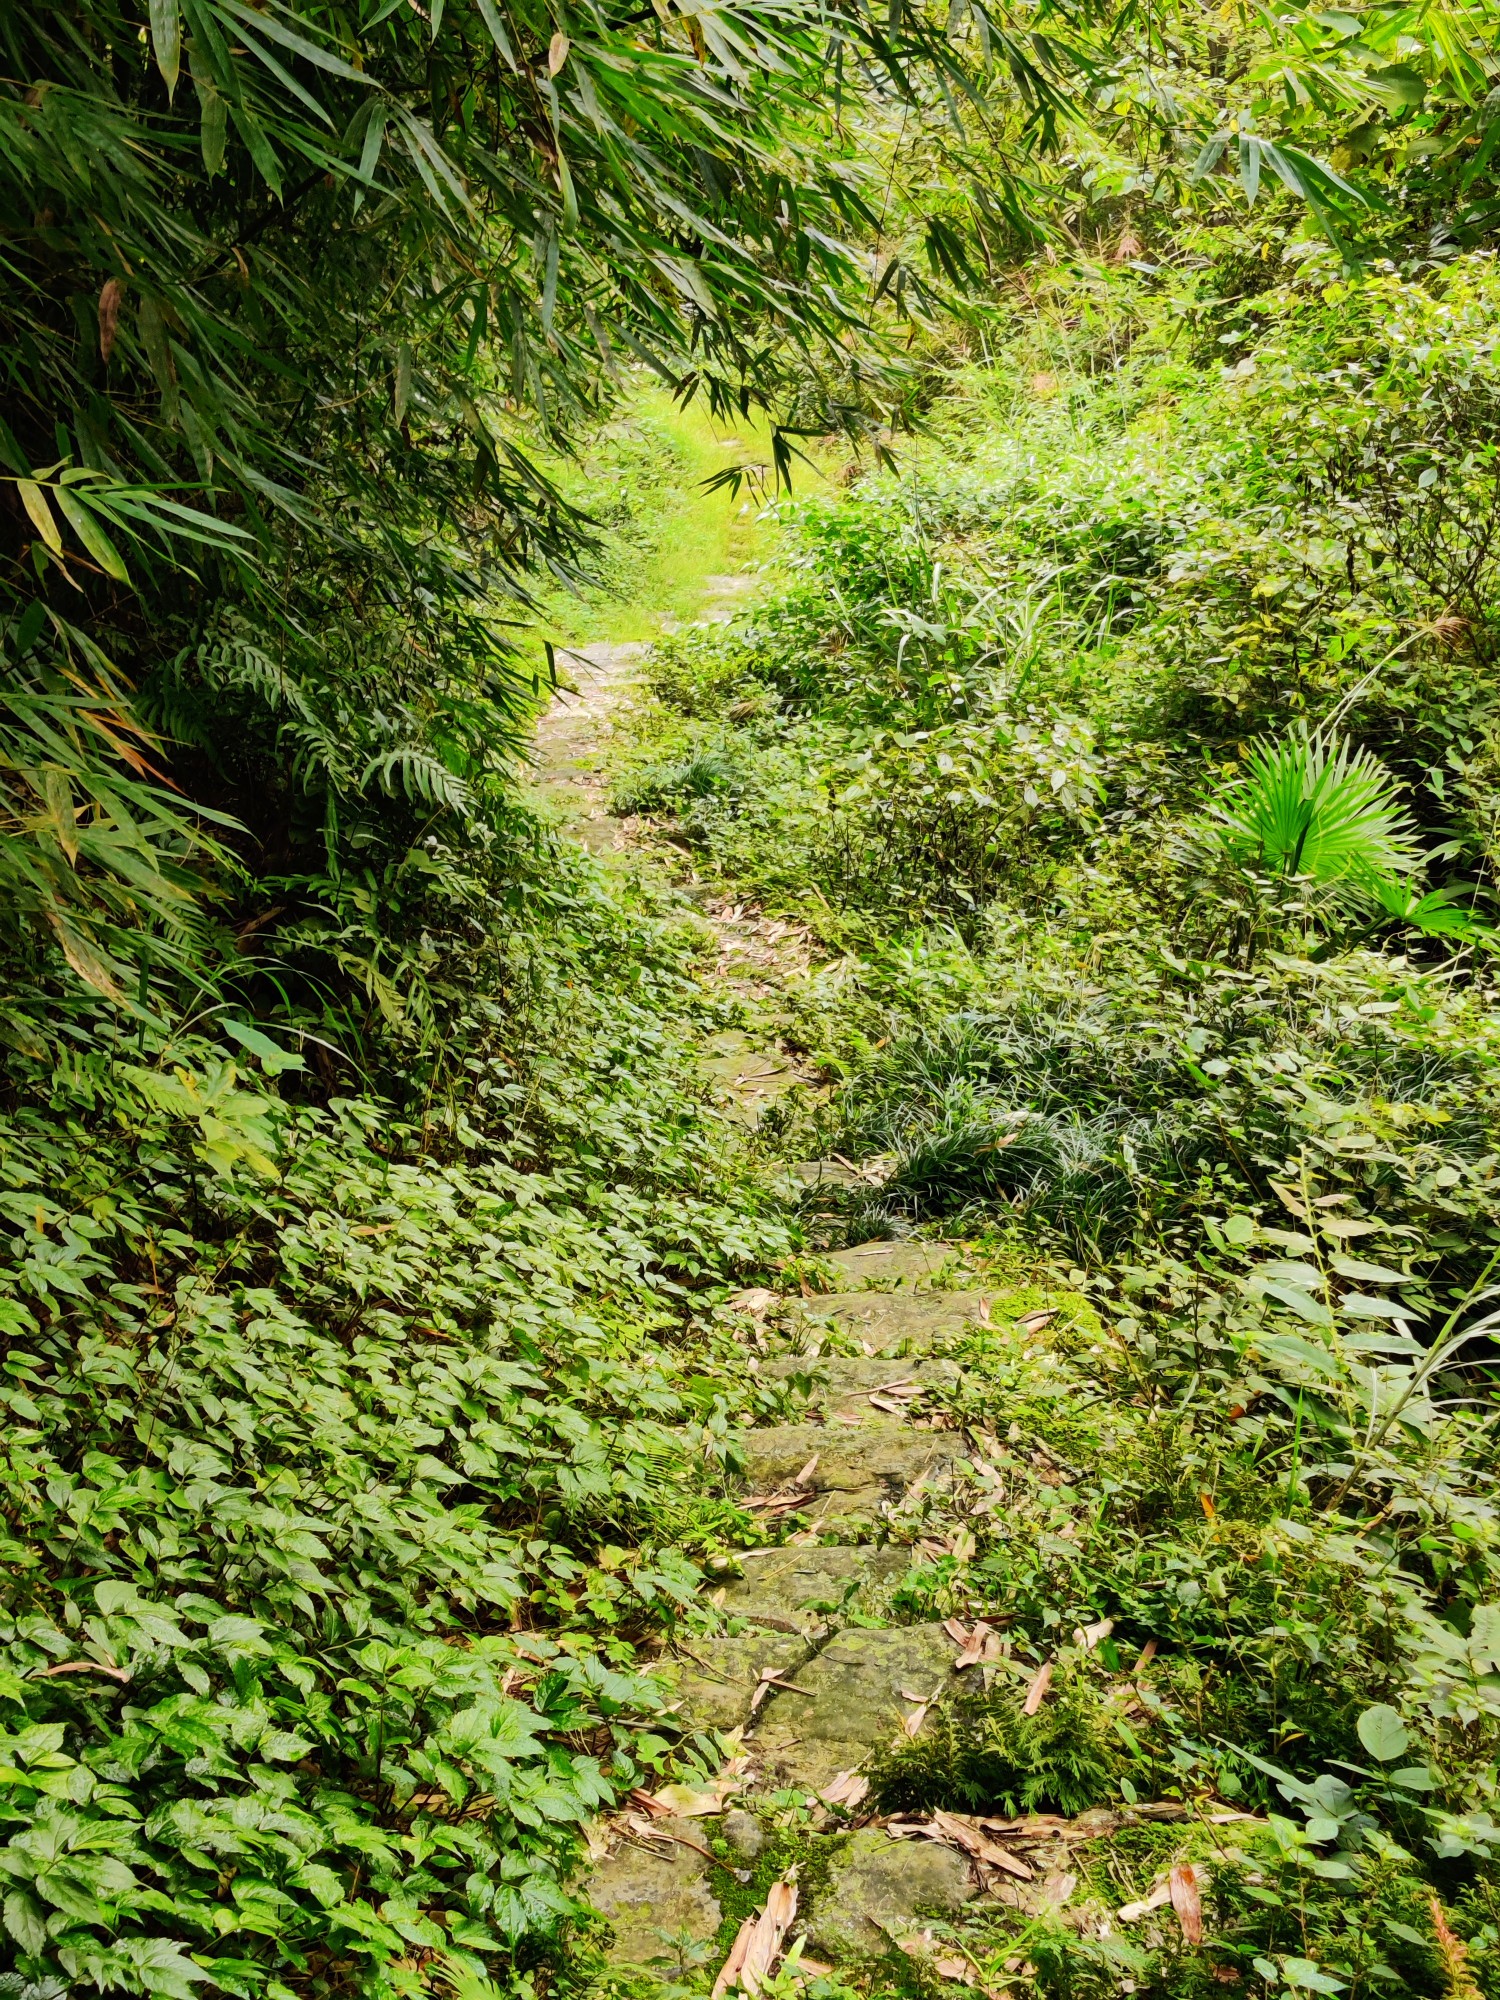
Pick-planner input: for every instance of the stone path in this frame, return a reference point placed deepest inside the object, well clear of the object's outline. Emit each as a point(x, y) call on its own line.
point(811, 1675)
point(808, 1670)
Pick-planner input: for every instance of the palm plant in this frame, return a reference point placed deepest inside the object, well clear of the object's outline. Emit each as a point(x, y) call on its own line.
point(1319, 817)
point(1312, 807)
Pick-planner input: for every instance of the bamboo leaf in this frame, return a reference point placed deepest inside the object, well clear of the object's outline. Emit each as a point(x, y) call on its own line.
point(34, 500)
point(166, 39)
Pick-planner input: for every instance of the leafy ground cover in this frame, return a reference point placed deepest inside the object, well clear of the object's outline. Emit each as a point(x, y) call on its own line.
point(343, 1455)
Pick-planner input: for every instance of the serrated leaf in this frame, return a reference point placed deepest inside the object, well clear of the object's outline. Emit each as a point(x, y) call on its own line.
point(25, 1921)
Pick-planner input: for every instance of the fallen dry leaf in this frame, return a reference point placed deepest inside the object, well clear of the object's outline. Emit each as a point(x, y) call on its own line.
point(958, 1970)
point(849, 1788)
point(80, 1667)
point(959, 1830)
point(1146, 1656)
point(980, 1643)
point(694, 1801)
point(1182, 1887)
point(1033, 1322)
point(758, 1945)
point(889, 1405)
point(771, 1680)
point(1036, 1694)
point(644, 1802)
point(1057, 1889)
point(757, 1301)
point(645, 1828)
point(1088, 1636)
point(1133, 1912)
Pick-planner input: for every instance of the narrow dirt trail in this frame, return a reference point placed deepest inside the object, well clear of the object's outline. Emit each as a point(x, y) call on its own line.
point(815, 1671)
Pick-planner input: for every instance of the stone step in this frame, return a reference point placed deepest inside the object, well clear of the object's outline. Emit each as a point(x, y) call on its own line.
point(891, 1323)
point(877, 1885)
point(712, 1681)
point(856, 1695)
point(843, 1386)
point(859, 1472)
point(893, 1262)
point(655, 1891)
point(811, 1590)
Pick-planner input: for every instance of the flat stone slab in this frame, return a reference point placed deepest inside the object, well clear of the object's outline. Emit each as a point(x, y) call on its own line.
point(838, 1174)
point(896, 1263)
point(844, 1384)
point(859, 1690)
point(753, 1078)
point(653, 1892)
point(894, 1323)
point(859, 1470)
point(780, 1586)
point(713, 1680)
point(879, 1887)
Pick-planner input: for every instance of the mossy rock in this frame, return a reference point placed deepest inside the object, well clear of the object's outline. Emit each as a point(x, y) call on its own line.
point(897, 1263)
point(858, 1470)
point(780, 1586)
point(845, 1383)
point(894, 1324)
point(652, 1895)
point(715, 1679)
point(879, 1888)
point(855, 1696)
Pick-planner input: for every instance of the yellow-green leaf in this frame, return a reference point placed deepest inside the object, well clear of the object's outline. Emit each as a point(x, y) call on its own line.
point(34, 500)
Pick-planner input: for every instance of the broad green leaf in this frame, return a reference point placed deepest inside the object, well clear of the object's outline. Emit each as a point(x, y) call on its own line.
point(1382, 1732)
point(1375, 1274)
point(1362, 1305)
point(1302, 1303)
point(273, 1058)
point(88, 530)
point(25, 1921)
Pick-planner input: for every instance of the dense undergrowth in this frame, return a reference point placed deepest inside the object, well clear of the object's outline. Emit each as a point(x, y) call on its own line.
point(366, 1215)
point(343, 1470)
point(995, 734)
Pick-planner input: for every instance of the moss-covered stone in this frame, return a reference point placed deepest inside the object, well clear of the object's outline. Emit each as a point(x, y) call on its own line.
point(878, 1887)
point(715, 1680)
point(858, 1470)
point(652, 1894)
point(894, 1324)
point(844, 1385)
point(858, 1691)
point(780, 1587)
point(898, 1263)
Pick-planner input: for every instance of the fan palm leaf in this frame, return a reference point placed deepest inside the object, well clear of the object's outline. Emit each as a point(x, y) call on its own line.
point(1314, 806)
